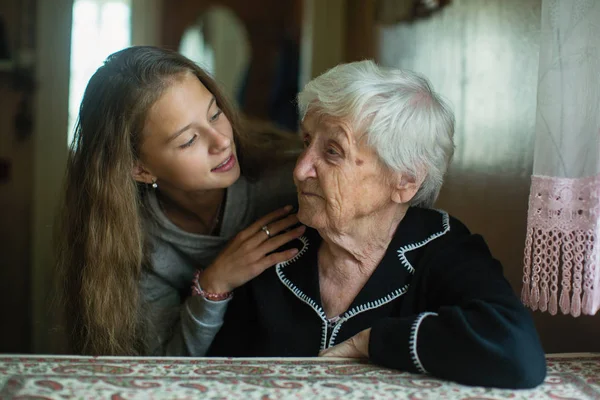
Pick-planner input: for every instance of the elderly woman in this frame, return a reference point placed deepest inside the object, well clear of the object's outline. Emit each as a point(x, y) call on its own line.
point(379, 274)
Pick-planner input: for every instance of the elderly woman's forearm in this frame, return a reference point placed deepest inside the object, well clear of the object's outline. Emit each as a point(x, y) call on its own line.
point(490, 346)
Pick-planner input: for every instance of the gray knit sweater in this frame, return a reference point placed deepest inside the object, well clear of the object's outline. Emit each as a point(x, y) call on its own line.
point(183, 325)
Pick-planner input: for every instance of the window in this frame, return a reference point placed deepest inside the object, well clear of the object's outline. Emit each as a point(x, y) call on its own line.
point(100, 27)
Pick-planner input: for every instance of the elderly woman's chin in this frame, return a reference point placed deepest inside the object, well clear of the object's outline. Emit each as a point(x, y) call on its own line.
point(309, 213)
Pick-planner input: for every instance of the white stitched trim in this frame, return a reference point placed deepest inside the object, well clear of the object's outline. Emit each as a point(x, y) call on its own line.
point(363, 307)
point(304, 241)
point(398, 292)
point(299, 293)
point(409, 247)
point(366, 307)
point(414, 332)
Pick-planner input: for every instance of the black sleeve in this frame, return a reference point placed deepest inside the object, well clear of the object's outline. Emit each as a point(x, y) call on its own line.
point(236, 336)
point(476, 330)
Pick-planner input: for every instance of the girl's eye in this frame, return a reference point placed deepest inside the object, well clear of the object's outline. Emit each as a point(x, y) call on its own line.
point(216, 116)
point(189, 143)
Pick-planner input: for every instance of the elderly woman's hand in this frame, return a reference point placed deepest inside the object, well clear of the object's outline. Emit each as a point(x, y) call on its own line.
point(355, 347)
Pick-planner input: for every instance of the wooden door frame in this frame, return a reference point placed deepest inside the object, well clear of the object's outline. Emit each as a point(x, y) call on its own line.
point(53, 48)
point(333, 32)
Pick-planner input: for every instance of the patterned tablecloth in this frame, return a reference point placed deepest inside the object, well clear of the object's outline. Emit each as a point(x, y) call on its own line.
point(41, 377)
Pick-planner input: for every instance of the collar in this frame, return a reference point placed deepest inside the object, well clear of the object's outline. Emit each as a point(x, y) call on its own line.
point(390, 279)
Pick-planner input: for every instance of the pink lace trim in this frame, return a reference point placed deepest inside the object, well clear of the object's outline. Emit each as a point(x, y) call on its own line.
point(562, 246)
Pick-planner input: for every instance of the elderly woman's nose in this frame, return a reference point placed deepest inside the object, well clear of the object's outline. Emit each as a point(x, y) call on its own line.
point(305, 166)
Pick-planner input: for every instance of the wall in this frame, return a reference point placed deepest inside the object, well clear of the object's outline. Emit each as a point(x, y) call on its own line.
point(15, 205)
point(482, 55)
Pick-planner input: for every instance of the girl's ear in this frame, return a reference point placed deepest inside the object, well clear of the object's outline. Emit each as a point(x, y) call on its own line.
point(141, 174)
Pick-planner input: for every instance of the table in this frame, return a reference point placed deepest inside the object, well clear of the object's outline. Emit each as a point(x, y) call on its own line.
point(574, 376)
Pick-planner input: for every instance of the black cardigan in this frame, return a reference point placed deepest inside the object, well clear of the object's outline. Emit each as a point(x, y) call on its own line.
point(438, 303)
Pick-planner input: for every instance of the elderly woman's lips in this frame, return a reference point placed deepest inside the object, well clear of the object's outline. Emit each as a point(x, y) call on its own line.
point(309, 194)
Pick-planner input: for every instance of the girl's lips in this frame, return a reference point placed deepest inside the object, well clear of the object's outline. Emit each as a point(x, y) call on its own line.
point(226, 166)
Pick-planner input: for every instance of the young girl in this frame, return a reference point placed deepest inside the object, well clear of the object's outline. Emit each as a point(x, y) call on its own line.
point(161, 176)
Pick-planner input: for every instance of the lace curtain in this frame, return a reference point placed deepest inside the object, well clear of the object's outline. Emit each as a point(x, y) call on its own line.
point(562, 268)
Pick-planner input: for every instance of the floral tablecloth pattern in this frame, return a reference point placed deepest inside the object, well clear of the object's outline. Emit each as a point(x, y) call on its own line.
point(54, 377)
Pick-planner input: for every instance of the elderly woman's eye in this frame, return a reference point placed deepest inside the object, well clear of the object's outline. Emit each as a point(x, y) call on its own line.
point(306, 142)
point(332, 152)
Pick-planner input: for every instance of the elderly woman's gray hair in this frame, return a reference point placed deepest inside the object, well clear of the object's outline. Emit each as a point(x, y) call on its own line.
point(410, 127)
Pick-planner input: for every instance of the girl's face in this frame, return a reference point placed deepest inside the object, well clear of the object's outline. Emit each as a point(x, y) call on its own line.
point(187, 141)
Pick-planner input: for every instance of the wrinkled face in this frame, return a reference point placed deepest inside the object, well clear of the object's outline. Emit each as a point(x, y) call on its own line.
point(340, 179)
point(187, 140)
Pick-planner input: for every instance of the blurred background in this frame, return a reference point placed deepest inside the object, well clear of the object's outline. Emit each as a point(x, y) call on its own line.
point(481, 55)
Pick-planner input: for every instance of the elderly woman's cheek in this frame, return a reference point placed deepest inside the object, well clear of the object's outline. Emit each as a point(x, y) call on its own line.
point(339, 197)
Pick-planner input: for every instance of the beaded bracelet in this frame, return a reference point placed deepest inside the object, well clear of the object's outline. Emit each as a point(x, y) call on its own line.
point(197, 290)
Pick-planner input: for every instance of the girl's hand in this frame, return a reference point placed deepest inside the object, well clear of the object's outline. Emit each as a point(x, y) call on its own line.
point(250, 252)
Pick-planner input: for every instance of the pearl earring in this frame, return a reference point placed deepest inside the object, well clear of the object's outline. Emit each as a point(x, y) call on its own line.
point(154, 184)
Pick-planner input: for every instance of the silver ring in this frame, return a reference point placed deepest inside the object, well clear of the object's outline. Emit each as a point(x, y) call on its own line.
point(266, 230)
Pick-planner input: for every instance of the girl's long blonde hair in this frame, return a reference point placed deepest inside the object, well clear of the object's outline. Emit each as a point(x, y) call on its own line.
point(100, 237)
